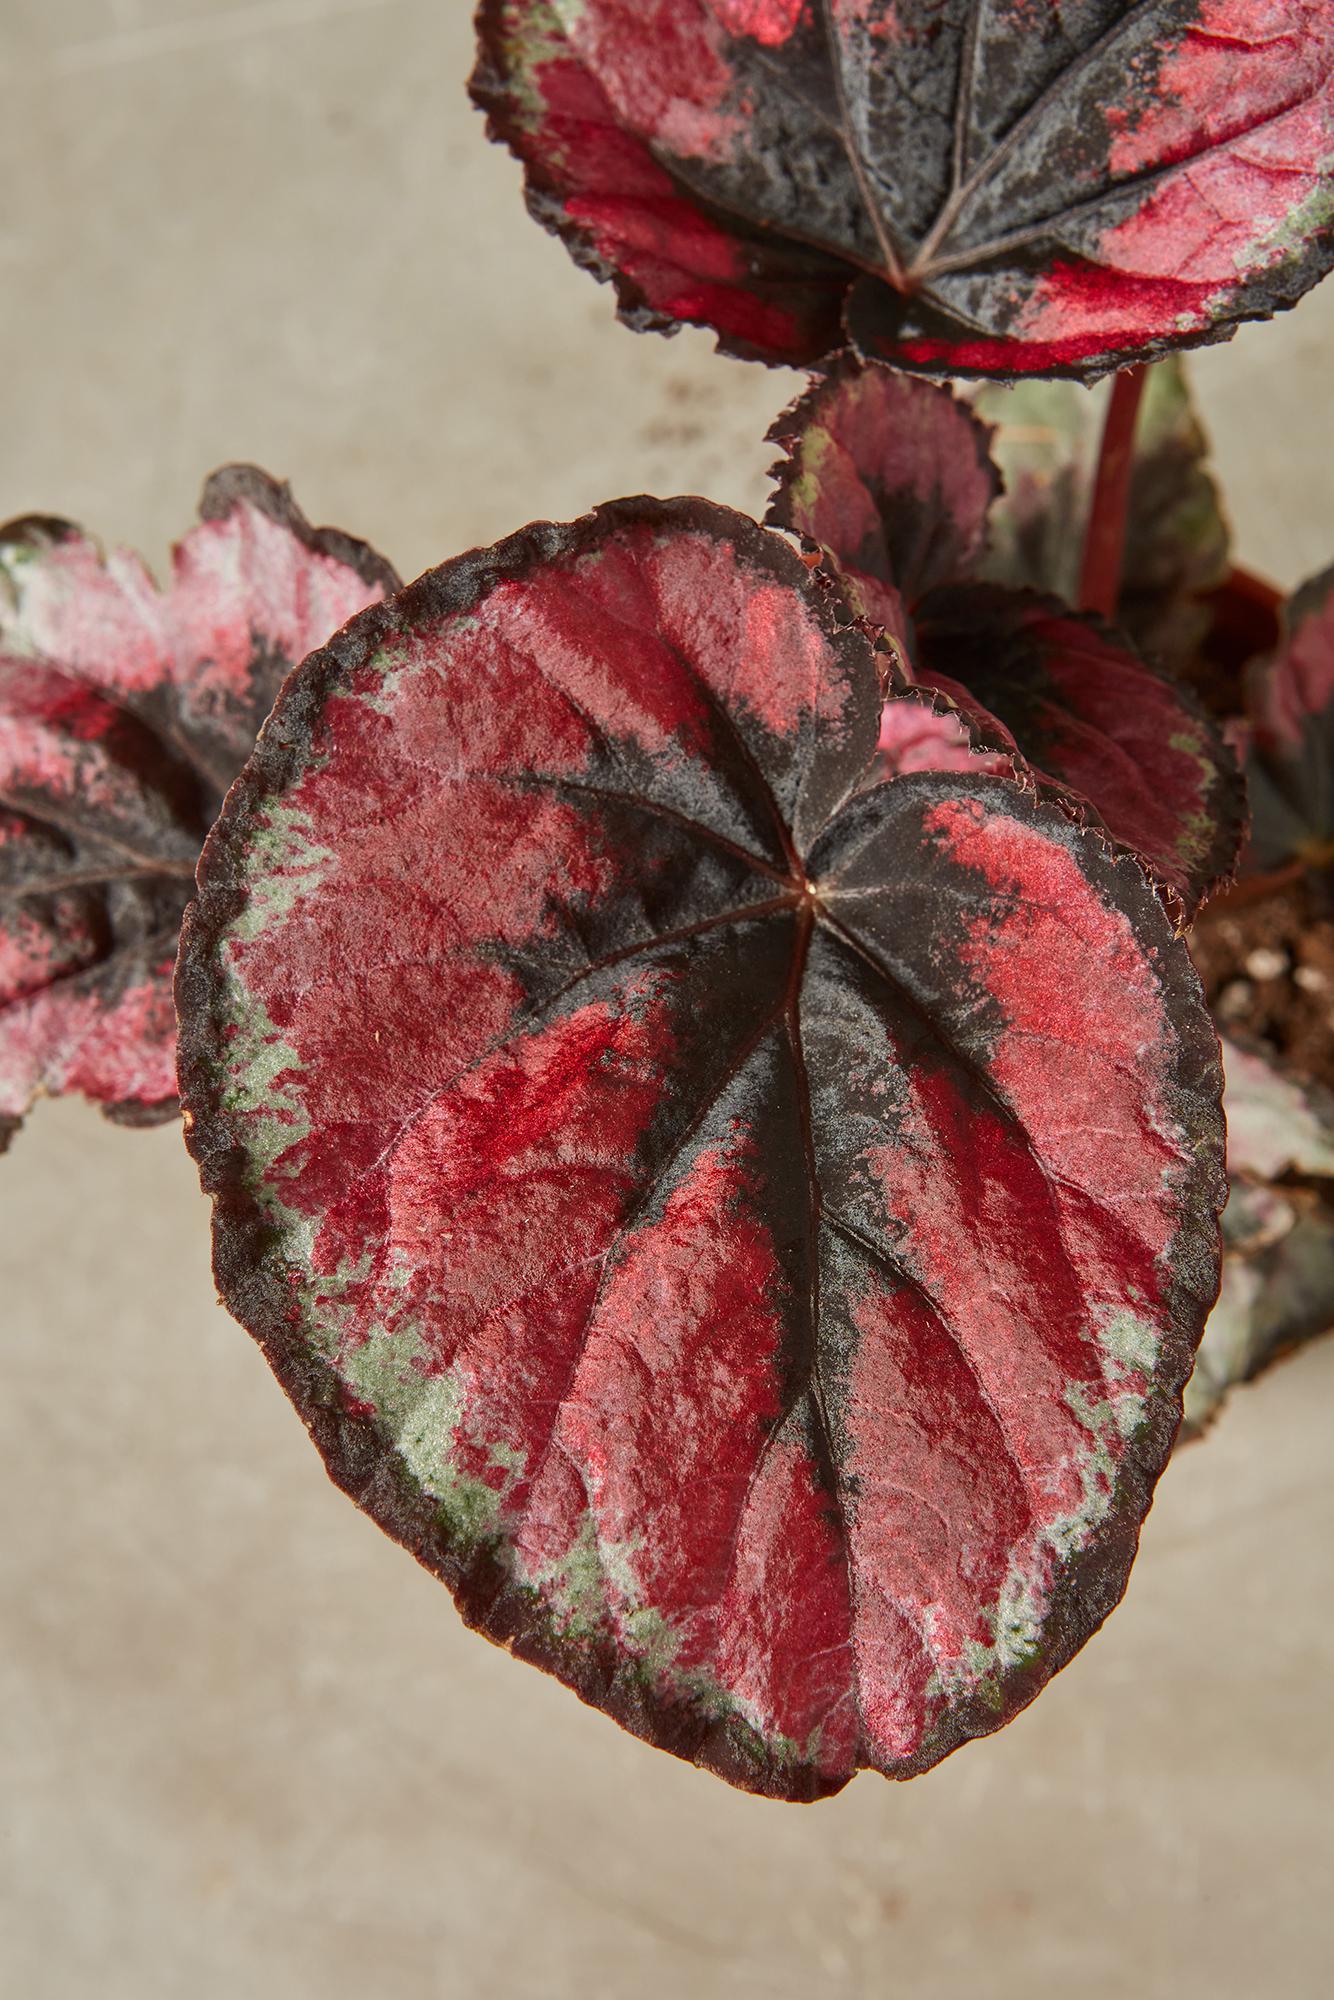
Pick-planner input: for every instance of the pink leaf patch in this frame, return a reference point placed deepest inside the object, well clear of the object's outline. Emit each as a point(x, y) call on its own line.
point(125, 713)
point(745, 1232)
point(922, 730)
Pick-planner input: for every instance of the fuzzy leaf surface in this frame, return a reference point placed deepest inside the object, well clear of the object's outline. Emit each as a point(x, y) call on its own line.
point(1290, 751)
point(125, 712)
point(746, 1234)
point(973, 186)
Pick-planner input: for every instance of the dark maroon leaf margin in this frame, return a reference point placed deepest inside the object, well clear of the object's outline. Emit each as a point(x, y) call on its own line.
point(259, 1292)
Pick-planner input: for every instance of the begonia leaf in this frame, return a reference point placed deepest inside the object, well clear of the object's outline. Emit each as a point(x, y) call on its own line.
point(1046, 444)
point(969, 186)
point(1277, 1122)
point(1096, 720)
point(746, 1234)
point(1277, 1294)
point(890, 476)
point(892, 479)
point(1290, 747)
point(598, 185)
point(1278, 1235)
point(125, 712)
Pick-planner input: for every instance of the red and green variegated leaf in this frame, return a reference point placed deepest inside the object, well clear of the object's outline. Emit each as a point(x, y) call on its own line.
point(1046, 445)
point(1290, 749)
point(125, 712)
point(747, 1235)
point(1093, 719)
point(977, 186)
point(892, 478)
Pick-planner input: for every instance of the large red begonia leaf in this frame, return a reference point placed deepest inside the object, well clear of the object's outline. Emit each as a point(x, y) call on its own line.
point(125, 712)
point(1290, 741)
point(972, 186)
point(745, 1234)
point(891, 478)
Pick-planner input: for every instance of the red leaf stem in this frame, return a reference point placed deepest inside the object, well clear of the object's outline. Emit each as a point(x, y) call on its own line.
point(1105, 537)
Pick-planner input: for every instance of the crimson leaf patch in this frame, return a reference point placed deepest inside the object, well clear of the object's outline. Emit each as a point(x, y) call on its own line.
point(125, 713)
point(966, 186)
point(747, 1234)
point(933, 734)
point(892, 479)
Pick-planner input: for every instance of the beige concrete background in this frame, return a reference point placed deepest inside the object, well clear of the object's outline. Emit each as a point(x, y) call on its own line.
point(245, 1746)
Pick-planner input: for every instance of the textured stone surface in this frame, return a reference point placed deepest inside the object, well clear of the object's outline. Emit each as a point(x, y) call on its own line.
point(271, 228)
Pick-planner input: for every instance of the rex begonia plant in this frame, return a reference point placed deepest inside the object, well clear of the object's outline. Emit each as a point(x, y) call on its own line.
point(690, 1026)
